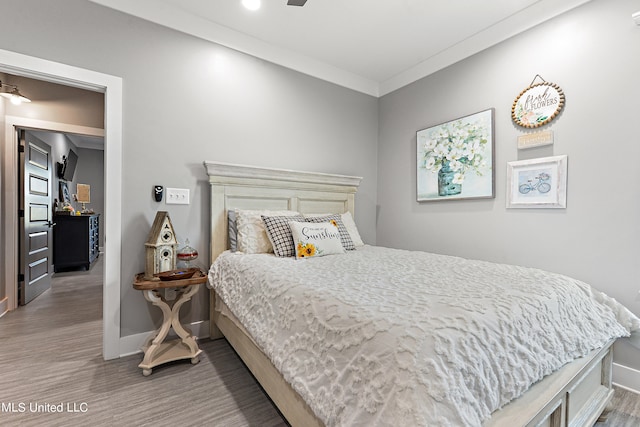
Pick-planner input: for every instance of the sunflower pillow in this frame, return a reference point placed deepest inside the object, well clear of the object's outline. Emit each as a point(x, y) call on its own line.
point(315, 239)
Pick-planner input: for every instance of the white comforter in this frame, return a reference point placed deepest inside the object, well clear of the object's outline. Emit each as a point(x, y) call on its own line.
point(380, 336)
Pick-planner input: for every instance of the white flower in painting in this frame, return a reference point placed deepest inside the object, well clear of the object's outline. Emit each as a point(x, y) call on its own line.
point(441, 150)
point(458, 178)
point(431, 161)
point(472, 149)
point(453, 154)
point(430, 144)
point(461, 144)
point(455, 165)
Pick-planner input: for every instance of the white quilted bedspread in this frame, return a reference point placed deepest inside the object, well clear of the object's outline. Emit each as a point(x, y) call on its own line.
point(381, 336)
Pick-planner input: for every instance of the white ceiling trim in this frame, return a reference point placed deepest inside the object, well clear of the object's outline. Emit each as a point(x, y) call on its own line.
point(177, 19)
point(528, 18)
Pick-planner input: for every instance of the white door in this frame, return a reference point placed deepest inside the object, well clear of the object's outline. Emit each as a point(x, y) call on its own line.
point(36, 239)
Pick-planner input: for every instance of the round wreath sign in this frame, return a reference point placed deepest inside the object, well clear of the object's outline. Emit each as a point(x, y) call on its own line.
point(537, 105)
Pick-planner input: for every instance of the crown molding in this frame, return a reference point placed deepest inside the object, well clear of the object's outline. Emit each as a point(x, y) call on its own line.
point(170, 16)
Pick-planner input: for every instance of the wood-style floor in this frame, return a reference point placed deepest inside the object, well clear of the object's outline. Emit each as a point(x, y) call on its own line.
point(51, 358)
point(51, 353)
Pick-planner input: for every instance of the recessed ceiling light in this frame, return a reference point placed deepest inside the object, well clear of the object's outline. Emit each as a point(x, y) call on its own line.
point(251, 4)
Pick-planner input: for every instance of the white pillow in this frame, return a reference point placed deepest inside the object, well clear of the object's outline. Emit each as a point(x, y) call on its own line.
point(252, 235)
point(350, 225)
point(315, 239)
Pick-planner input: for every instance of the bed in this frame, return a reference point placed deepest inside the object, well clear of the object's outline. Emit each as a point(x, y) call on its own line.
point(574, 395)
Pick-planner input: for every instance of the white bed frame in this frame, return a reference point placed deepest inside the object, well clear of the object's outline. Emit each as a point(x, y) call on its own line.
point(574, 396)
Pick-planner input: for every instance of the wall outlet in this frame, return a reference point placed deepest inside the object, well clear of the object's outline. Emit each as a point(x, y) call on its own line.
point(177, 196)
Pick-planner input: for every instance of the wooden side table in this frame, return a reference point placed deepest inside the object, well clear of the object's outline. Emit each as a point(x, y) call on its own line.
point(156, 350)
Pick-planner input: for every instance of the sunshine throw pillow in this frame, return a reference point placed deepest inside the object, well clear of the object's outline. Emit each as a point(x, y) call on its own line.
point(315, 239)
point(336, 219)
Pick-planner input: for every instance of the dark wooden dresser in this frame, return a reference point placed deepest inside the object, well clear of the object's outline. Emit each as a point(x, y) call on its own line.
point(75, 241)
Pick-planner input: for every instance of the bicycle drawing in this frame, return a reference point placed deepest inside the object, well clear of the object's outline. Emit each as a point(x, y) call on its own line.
point(541, 185)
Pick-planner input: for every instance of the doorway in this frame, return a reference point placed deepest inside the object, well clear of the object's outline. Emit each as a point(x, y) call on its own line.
point(111, 86)
point(68, 241)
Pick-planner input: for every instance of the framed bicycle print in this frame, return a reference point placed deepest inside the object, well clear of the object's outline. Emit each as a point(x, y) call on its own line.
point(537, 183)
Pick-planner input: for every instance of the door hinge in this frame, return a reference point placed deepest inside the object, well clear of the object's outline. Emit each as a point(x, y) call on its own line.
point(20, 148)
point(21, 213)
point(20, 277)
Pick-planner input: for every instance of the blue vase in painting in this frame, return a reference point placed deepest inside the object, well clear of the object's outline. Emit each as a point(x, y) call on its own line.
point(446, 186)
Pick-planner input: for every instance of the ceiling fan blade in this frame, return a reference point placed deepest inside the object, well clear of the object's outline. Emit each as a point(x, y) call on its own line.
point(296, 2)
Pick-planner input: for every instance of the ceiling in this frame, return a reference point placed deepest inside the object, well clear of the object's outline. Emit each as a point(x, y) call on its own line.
point(87, 141)
point(80, 141)
point(372, 46)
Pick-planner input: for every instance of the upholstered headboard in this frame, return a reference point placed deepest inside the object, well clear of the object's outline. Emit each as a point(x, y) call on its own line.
point(248, 187)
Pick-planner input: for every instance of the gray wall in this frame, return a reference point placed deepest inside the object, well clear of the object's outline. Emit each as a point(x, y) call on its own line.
point(592, 53)
point(187, 100)
point(90, 171)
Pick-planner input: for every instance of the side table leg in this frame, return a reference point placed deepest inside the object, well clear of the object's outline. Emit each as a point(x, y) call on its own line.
point(186, 336)
point(158, 337)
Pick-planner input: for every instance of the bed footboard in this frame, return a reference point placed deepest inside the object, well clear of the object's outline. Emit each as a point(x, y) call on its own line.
point(574, 396)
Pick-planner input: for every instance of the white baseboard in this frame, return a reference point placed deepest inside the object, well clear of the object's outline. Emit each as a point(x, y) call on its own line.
point(627, 378)
point(4, 306)
point(131, 344)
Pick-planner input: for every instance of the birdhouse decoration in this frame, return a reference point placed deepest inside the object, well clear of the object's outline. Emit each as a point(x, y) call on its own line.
point(161, 246)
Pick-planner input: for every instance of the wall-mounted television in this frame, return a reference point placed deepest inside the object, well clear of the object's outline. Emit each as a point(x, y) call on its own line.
point(69, 166)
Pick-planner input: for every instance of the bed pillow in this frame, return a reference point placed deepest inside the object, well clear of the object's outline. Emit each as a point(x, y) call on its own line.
point(232, 231)
point(350, 225)
point(345, 238)
point(316, 239)
point(279, 233)
point(252, 234)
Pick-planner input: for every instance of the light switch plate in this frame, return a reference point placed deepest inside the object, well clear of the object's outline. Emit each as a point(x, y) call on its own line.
point(177, 196)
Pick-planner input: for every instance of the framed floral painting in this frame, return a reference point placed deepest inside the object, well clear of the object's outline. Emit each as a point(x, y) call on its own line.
point(537, 183)
point(455, 159)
